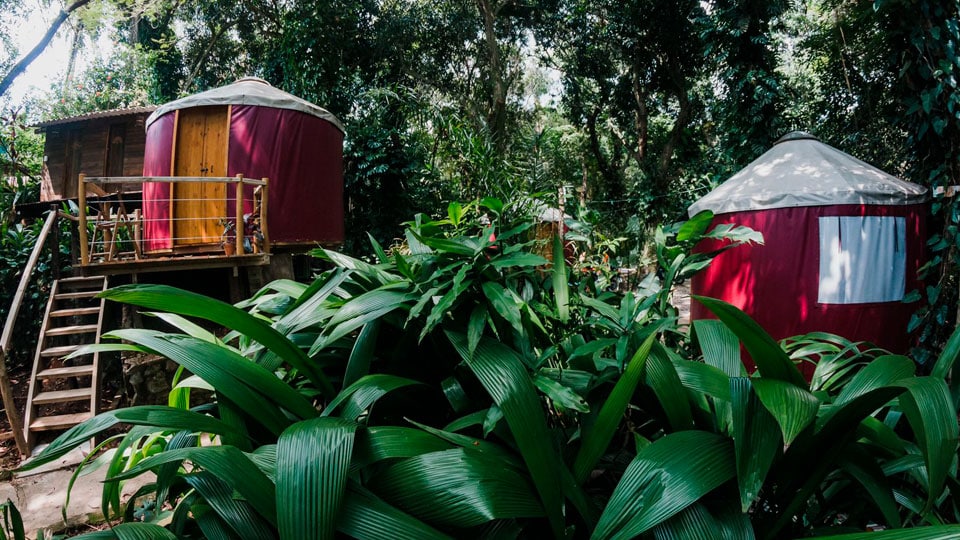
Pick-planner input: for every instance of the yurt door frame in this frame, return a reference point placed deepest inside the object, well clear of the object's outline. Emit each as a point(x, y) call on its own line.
point(200, 150)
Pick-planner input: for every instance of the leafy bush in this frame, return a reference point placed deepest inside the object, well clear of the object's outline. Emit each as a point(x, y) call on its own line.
point(464, 387)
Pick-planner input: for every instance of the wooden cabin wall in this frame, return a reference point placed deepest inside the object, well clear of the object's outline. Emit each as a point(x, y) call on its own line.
point(92, 140)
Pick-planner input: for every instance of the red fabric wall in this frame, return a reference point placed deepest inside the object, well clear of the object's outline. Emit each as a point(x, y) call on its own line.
point(156, 195)
point(776, 283)
point(302, 156)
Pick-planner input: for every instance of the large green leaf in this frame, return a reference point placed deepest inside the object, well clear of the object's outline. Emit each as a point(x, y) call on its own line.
point(503, 375)
point(503, 304)
point(884, 371)
point(520, 258)
point(236, 514)
point(663, 479)
point(130, 531)
point(698, 522)
point(929, 409)
point(598, 437)
point(561, 289)
point(665, 382)
point(162, 297)
point(308, 310)
point(363, 515)
point(793, 407)
point(359, 311)
point(257, 391)
point(229, 465)
point(703, 379)
point(756, 439)
point(943, 532)
point(158, 416)
point(456, 488)
point(561, 394)
point(720, 346)
point(772, 362)
point(377, 443)
point(362, 354)
point(365, 392)
point(863, 467)
point(313, 458)
point(807, 462)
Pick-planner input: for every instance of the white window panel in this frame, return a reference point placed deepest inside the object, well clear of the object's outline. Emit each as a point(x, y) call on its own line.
point(862, 259)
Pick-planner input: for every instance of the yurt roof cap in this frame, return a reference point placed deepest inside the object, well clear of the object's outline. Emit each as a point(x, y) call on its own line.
point(802, 171)
point(247, 91)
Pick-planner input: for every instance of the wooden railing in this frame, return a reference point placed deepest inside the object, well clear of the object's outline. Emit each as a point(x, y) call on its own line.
point(99, 185)
point(13, 415)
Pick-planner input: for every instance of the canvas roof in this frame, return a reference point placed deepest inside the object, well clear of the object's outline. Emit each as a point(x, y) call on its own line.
point(247, 91)
point(802, 171)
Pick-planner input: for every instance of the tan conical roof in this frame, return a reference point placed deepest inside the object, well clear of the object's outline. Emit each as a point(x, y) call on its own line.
point(247, 91)
point(802, 171)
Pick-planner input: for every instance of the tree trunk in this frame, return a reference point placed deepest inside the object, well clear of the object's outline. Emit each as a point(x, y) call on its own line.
point(497, 113)
point(24, 62)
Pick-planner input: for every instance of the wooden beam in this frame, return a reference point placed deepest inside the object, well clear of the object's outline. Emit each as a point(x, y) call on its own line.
point(171, 179)
point(82, 202)
point(238, 196)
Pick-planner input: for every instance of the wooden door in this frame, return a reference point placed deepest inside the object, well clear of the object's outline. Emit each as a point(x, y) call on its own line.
point(201, 151)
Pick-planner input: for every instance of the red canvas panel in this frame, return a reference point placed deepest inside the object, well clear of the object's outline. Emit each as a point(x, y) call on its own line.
point(156, 195)
point(302, 156)
point(776, 283)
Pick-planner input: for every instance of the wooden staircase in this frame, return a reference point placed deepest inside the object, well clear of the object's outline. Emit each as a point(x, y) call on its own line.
point(74, 318)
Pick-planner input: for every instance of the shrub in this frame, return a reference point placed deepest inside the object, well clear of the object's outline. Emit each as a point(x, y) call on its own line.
point(464, 387)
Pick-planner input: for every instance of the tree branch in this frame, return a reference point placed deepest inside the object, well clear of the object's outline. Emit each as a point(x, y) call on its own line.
point(22, 64)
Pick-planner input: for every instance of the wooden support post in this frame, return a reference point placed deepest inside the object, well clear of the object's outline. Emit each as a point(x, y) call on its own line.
point(55, 250)
point(82, 201)
point(263, 216)
point(238, 195)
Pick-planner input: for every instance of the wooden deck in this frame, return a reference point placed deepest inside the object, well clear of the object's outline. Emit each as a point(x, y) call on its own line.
point(172, 264)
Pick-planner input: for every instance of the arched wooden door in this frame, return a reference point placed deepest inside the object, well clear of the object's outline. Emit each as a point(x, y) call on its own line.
point(201, 151)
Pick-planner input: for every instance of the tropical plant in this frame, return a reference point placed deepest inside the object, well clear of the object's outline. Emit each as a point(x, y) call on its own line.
point(463, 386)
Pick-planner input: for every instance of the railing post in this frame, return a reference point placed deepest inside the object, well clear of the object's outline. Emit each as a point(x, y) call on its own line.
point(82, 201)
point(238, 196)
point(263, 216)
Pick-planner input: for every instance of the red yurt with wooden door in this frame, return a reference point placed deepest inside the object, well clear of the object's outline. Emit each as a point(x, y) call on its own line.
point(843, 242)
point(256, 130)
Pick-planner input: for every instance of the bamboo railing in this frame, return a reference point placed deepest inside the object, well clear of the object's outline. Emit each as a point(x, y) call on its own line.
point(94, 184)
point(6, 392)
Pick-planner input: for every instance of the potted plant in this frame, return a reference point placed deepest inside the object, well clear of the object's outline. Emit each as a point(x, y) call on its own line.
point(228, 238)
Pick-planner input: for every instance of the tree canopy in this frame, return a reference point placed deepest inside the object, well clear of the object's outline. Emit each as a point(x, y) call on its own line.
point(622, 112)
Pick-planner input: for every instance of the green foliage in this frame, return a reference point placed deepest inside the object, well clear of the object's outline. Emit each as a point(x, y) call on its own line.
point(465, 400)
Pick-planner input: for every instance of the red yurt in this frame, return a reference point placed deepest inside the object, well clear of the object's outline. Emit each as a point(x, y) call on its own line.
point(248, 128)
point(842, 244)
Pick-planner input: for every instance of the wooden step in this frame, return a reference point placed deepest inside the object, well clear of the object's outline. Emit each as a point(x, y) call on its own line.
point(77, 295)
point(69, 371)
point(61, 396)
point(80, 280)
point(75, 312)
point(57, 352)
point(60, 421)
point(69, 330)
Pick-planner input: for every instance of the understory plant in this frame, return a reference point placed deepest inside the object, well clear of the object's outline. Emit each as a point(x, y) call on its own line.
point(464, 386)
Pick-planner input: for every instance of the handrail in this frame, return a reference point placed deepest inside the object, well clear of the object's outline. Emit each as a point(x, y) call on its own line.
point(239, 180)
point(6, 392)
